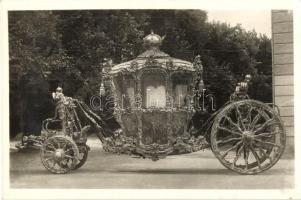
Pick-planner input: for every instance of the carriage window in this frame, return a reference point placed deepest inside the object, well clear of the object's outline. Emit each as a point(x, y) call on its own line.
point(180, 88)
point(130, 91)
point(154, 91)
point(125, 89)
point(180, 93)
point(129, 94)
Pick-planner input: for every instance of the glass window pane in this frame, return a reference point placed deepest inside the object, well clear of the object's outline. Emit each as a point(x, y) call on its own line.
point(180, 93)
point(154, 91)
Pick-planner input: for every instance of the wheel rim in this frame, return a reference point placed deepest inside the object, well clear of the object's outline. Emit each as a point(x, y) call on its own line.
point(82, 157)
point(59, 154)
point(248, 137)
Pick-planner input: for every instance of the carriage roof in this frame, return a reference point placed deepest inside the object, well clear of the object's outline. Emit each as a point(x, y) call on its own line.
point(155, 56)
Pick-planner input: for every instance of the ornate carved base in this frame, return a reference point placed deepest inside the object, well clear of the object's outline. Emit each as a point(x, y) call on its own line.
point(128, 145)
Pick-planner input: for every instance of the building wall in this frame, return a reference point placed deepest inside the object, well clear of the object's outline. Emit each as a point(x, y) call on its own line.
point(283, 66)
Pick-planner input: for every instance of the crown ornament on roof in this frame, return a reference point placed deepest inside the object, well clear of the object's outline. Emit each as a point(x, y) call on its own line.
point(153, 40)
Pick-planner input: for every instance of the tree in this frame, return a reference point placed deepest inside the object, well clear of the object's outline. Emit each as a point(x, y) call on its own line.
point(33, 54)
point(261, 87)
point(229, 54)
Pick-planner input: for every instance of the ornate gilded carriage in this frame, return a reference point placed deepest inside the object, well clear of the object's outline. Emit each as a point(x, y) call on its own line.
point(159, 106)
point(154, 99)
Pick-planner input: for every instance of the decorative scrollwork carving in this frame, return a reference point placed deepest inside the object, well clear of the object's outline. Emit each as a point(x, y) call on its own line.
point(152, 62)
point(169, 64)
point(138, 101)
point(128, 145)
point(197, 64)
point(133, 67)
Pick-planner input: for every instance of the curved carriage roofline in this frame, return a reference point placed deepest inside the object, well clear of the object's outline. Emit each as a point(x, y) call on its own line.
point(177, 65)
point(153, 54)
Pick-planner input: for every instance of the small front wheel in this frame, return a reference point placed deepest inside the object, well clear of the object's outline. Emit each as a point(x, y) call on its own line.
point(59, 154)
point(83, 155)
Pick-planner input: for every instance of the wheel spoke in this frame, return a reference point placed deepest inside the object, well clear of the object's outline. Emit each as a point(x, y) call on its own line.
point(68, 150)
point(229, 131)
point(60, 164)
point(246, 157)
point(264, 147)
point(52, 152)
point(264, 153)
point(239, 117)
point(237, 155)
point(255, 120)
point(53, 164)
point(68, 156)
point(47, 159)
point(256, 156)
point(268, 143)
point(65, 145)
point(232, 123)
point(50, 146)
point(269, 122)
point(266, 134)
point(249, 117)
point(235, 146)
point(228, 140)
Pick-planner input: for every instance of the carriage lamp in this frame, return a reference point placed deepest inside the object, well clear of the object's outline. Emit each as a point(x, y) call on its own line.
point(101, 89)
point(106, 68)
point(201, 86)
point(203, 99)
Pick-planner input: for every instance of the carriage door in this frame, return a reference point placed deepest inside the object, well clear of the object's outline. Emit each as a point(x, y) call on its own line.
point(153, 119)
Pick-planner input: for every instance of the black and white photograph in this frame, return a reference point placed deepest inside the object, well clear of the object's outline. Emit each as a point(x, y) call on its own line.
point(148, 99)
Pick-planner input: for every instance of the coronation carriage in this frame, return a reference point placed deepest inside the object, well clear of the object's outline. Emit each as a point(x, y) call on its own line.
point(156, 105)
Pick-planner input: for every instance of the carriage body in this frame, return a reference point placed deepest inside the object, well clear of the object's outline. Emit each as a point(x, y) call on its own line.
point(161, 107)
point(153, 97)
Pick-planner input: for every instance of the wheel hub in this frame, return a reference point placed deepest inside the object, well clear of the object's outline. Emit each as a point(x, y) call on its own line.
point(59, 154)
point(248, 137)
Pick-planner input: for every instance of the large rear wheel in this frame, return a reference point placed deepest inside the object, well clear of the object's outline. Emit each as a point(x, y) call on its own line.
point(248, 137)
